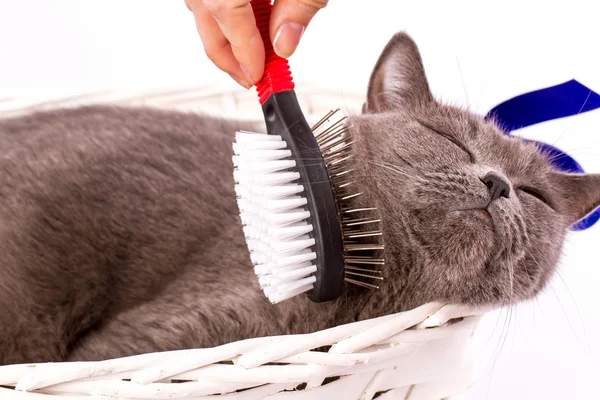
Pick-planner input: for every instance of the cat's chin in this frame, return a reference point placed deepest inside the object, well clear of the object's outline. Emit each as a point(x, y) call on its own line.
point(480, 215)
point(461, 242)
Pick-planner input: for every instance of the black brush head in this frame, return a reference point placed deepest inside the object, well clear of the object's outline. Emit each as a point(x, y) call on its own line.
point(284, 117)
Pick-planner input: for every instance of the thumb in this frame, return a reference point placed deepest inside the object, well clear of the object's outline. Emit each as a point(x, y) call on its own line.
point(289, 20)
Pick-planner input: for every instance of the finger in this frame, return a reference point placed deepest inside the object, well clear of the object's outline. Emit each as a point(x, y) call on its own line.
point(289, 20)
point(236, 20)
point(216, 46)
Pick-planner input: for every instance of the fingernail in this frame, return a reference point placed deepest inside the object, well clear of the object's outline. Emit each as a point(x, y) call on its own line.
point(242, 82)
point(287, 38)
point(247, 76)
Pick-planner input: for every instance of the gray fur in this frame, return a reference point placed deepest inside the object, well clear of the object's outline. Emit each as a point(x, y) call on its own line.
point(120, 233)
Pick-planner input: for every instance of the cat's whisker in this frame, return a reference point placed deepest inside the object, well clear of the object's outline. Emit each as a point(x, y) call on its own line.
point(505, 330)
point(579, 112)
point(562, 307)
point(587, 340)
point(501, 339)
point(391, 168)
point(572, 151)
point(528, 274)
point(534, 259)
point(398, 178)
point(565, 314)
point(511, 276)
point(560, 136)
point(383, 163)
point(462, 78)
point(513, 322)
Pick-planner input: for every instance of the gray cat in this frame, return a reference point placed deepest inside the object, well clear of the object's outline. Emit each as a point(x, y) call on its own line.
point(120, 232)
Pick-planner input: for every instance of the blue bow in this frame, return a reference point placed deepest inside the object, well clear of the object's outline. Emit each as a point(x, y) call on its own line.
point(560, 101)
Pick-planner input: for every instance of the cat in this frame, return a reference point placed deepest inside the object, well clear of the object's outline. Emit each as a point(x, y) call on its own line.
point(120, 231)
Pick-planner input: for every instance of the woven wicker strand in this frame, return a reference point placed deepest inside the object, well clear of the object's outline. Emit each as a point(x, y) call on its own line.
point(413, 355)
point(413, 350)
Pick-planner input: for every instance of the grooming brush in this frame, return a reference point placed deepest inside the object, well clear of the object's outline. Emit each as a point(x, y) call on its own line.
point(294, 193)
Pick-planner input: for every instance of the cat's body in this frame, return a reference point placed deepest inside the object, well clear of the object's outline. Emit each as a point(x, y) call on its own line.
point(132, 234)
point(120, 232)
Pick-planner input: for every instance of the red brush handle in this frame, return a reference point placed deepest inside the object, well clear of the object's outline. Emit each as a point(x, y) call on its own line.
point(277, 76)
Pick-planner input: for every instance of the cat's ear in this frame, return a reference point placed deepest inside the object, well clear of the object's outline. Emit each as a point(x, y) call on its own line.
point(398, 79)
point(579, 194)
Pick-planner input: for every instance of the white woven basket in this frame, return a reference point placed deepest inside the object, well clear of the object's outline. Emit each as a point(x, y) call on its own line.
point(425, 353)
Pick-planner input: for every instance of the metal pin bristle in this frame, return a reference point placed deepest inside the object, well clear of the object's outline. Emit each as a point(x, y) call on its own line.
point(359, 283)
point(359, 234)
point(361, 226)
point(362, 221)
point(363, 247)
point(353, 210)
point(364, 260)
point(351, 268)
point(380, 278)
point(350, 196)
point(343, 185)
point(316, 127)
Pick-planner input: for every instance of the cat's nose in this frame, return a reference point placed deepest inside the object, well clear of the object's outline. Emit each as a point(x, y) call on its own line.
point(496, 184)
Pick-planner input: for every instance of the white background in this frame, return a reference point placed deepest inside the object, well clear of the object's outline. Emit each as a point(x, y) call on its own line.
point(476, 54)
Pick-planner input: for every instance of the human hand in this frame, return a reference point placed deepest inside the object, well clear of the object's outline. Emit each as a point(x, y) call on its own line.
point(232, 41)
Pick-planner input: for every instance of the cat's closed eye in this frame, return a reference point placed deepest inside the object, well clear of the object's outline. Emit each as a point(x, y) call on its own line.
point(454, 141)
point(534, 193)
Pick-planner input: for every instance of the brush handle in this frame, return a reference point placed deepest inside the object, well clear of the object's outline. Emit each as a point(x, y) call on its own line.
point(284, 117)
point(277, 76)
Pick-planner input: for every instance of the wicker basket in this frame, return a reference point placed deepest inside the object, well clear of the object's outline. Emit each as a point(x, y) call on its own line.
point(425, 353)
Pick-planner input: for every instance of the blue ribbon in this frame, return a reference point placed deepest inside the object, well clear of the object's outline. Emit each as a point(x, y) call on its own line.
point(560, 101)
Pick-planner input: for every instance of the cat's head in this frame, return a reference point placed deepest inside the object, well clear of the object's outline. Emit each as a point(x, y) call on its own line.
point(470, 214)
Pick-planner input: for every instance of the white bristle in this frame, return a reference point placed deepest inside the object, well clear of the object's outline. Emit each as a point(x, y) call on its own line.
point(287, 218)
point(269, 154)
point(281, 205)
point(270, 145)
point(277, 192)
point(292, 246)
point(245, 137)
point(290, 286)
point(294, 260)
point(294, 274)
point(265, 167)
point(272, 179)
point(278, 297)
point(289, 232)
point(272, 210)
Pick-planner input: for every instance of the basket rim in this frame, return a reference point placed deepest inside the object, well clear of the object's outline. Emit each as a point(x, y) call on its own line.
point(354, 345)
